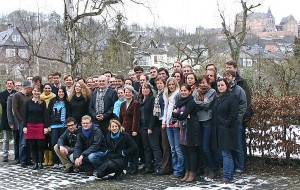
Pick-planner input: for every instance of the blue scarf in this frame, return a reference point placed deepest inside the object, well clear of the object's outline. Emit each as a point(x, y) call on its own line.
point(115, 137)
point(87, 132)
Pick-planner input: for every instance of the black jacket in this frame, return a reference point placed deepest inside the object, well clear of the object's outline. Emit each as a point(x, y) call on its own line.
point(224, 130)
point(3, 100)
point(85, 146)
point(68, 139)
point(146, 108)
point(78, 107)
point(54, 116)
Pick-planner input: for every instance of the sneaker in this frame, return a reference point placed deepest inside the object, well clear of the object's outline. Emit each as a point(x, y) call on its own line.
point(119, 176)
point(60, 165)
point(224, 181)
point(55, 166)
point(23, 165)
point(69, 170)
point(176, 176)
point(90, 172)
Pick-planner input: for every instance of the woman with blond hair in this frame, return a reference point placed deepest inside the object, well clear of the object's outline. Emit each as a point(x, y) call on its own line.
point(170, 95)
point(120, 145)
point(79, 101)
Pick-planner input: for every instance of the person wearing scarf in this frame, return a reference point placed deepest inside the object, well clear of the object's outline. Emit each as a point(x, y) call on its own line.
point(204, 97)
point(189, 136)
point(120, 146)
point(89, 150)
point(191, 79)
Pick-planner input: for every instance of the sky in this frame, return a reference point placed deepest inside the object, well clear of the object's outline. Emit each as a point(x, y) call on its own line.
point(184, 14)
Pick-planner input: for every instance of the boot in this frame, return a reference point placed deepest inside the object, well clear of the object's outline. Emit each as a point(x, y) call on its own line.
point(46, 157)
point(50, 155)
point(35, 166)
point(191, 177)
point(40, 166)
point(186, 176)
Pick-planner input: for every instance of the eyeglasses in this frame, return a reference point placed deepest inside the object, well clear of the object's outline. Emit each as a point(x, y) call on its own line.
point(70, 125)
point(138, 71)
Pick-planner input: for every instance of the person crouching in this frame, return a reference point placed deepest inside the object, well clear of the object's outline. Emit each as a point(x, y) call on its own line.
point(120, 145)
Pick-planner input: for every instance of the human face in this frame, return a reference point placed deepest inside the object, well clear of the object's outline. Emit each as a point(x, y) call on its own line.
point(9, 85)
point(184, 92)
point(211, 67)
point(114, 128)
point(229, 78)
point(176, 66)
point(102, 82)
point(211, 75)
point(36, 93)
point(56, 79)
point(37, 83)
point(138, 74)
point(145, 91)
point(86, 124)
point(90, 83)
point(153, 73)
point(204, 83)
point(230, 67)
point(77, 88)
point(143, 79)
point(190, 80)
point(132, 75)
point(47, 89)
point(108, 76)
point(29, 79)
point(128, 94)
point(119, 83)
point(120, 93)
point(69, 82)
point(18, 86)
point(171, 86)
point(186, 71)
point(61, 93)
point(163, 74)
point(128, 82)
point(177, 77)
point(221, 86)
point(160, 85)
point(112, 82)
point(50, 79)
point(71, 126)
point(96, 82)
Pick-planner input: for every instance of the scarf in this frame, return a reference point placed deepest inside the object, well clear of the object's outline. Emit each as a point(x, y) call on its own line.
point(182, 101)
point(156, 108)
point(193, 87)
point(116, 136)
point(100, 101)
point(87, 132)
point(202, 91)
point(47, 98)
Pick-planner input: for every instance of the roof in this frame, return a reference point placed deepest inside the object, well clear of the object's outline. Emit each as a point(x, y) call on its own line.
point(5, 35)
point(285, 20)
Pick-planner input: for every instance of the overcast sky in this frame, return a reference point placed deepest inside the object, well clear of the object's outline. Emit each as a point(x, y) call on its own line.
point(185, 14)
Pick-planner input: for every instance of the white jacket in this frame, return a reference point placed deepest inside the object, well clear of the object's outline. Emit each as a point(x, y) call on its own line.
point(169, 106)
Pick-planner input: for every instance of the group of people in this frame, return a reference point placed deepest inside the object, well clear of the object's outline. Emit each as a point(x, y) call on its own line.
point(180, 124)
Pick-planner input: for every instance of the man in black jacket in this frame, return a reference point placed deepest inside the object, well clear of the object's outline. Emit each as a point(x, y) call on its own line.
point(89, 150)
point(66, 143)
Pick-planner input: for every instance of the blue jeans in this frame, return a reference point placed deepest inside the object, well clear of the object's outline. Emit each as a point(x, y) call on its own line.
point(176, 150)
point(206, 138)
point(22, 145)
point(97, 158)
point(239, 153)
point(228, 165)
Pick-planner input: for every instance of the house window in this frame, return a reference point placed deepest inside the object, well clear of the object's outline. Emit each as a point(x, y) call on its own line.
point(16, 38)
point(23, 53)
point(249, 63)
point(10, 52)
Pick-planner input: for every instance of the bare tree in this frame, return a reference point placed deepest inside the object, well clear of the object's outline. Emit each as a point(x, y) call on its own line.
point(236, 39)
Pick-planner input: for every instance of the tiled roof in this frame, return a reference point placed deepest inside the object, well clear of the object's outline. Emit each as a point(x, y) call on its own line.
point(5, 35)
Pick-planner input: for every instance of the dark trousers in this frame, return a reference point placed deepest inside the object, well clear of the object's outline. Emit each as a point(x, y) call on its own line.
point(133, 159)
point(16, 136)
point(48, 142)
point(55, 134)
point(155, 143)
point(37, 149)
point(148, 155)
point(111, 166)
point(190, 157)
point(166, 163)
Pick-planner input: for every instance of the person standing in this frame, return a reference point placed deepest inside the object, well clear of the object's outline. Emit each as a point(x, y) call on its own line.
point(36, 126)
point(224, 132)
point(18, 104)
point(7, 131)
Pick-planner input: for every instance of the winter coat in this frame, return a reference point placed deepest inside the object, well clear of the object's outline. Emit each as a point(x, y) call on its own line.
point(147, 108)
point(85, 146)
point(55, 116)
point(68, 139)
point(240, 93)
point(78, 107)
point(3, 100)
point(130, 117)
point(169, 106)
point(10, 116)
point(224, 130)
point(204, 108)
point(188, 121)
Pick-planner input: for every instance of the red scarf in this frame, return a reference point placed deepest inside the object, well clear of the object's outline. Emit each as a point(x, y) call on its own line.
point(202, 90)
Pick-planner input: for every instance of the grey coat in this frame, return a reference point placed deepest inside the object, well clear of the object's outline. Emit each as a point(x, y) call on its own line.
point(240, 93)
point(205, 108)
point(10, 116)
